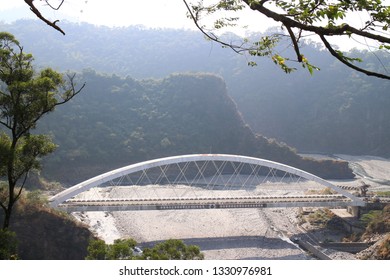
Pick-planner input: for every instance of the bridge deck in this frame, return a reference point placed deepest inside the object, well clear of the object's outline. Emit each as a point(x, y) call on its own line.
point(78, 205)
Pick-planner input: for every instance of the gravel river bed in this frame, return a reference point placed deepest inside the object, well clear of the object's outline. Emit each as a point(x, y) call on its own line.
point(231, 233)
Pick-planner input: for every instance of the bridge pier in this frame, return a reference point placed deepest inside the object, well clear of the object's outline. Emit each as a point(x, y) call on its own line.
point(354, 211)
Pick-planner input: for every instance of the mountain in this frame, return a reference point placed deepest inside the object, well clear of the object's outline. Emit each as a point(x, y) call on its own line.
point(337, 110)
point(117, 121)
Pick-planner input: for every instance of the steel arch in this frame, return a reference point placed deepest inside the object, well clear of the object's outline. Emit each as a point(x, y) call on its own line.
point(111, 175)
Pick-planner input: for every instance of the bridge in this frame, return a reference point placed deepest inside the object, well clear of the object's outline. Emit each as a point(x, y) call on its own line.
point(203, 181)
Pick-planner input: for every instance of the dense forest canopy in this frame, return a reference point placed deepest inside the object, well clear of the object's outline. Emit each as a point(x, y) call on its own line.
point(334, 111)
point(118, 121)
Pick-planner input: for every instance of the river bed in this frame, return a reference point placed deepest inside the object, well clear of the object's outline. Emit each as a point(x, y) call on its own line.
point(232, 233)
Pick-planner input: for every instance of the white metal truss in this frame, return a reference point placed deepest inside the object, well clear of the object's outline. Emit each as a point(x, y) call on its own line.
point(215, 179)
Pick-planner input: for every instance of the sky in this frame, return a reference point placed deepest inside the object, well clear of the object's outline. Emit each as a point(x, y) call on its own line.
point(117, 13)
point(150, 13)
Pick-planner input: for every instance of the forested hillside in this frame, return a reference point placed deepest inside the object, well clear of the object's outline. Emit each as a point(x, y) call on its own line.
point(335, 111)
point(117, 121)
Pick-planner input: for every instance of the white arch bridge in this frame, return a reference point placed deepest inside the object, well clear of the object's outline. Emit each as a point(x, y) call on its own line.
point(203, 181)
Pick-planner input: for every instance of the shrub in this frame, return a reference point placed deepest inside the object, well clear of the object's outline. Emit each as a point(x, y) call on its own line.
point(8, 245)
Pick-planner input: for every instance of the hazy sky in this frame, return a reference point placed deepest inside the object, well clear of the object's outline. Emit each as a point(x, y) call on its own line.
point(116, 13)
point(151, 13)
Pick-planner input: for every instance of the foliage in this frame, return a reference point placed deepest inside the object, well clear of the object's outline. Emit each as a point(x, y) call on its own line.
point(377, 225)
point(320, 217)
point(299, 18)
point(25, 97)
point(96, 250)
point(123, 249)
point(8, 245)
point(377, 221)
point(36, 197)
point(324, 191)
point(172, 250)
point(382, 193)
point(371, 216)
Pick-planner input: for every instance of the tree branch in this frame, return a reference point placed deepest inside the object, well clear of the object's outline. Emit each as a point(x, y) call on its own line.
point(331, 31)
point(73, 90)
point(5, 124)
point(3, 206)
point(295, 43)
point(290, 22)
point(235, 48)
point(72, 93)
point(39, 15)
point(54, 8)
point(344, 61)
point(19, 193)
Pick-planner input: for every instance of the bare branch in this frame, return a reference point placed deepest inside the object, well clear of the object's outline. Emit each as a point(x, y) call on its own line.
point(39, 15)
point(235, 48)
point(295, 43)
point(54, 8)
point(72, 90)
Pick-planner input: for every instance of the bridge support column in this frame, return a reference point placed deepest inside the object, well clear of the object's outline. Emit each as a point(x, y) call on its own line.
point(354, 211)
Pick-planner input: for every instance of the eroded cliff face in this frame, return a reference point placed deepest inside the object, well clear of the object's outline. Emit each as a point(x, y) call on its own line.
point(44, 234)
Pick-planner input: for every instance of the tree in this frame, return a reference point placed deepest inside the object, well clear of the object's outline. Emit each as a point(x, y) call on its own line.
point(299, 19)
point(8, 245)
point(25, 97)
point(123, 249)
point(96, 250)
point(173, 249)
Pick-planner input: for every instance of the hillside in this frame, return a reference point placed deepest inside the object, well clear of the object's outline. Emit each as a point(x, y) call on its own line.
point(118, 121)
point(336, 110)
point(45, 234)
